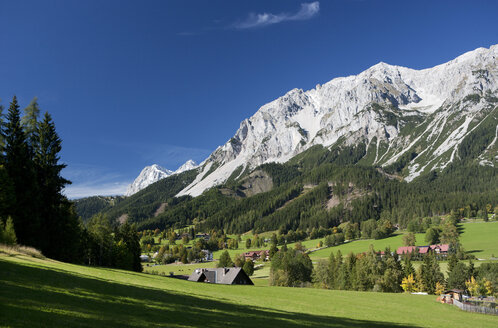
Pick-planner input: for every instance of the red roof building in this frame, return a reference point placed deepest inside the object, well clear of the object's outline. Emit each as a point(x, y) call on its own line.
point(438, 249)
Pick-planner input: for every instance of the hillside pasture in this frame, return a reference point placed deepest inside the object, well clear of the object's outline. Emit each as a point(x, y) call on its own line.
point(46, 293)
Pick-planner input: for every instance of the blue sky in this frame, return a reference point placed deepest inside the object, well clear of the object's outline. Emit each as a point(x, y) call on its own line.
point(132, 83)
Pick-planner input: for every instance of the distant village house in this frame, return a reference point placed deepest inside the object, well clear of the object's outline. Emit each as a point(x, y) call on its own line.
point(225, 276)
point(440, 249)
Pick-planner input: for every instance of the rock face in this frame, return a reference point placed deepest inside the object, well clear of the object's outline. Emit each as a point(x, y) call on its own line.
point(393, 110)
point(154, 173)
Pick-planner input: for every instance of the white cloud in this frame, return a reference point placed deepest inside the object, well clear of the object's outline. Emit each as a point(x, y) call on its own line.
point(92, 180)
point(87, 190)
point(307, 11)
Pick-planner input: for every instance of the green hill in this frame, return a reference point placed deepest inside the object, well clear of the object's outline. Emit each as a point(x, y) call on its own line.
point(38, 292)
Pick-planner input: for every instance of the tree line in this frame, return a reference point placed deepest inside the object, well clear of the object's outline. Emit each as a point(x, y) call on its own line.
point(33, 206)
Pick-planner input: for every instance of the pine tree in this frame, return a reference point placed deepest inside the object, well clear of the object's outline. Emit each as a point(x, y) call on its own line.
point(30, 120)
point(225, 260)
point(248, 267)
point(20, 169)
point(9, 236)
point(2, 137)
point(408, 267)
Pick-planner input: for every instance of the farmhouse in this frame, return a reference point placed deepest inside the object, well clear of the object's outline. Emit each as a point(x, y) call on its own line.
point(450, 295)
point(440, 249)
point(225, 276)
point(256, 255)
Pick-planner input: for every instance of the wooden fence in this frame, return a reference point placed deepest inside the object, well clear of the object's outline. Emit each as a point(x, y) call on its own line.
point(475, 308)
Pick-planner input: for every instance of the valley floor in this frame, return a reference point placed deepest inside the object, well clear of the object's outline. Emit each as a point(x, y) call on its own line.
point(37, 292)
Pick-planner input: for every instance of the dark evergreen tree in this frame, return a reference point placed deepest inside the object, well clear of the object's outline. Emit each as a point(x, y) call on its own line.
point(20, 169)
point(225, 260)
point(248, 267)
point(457, 276)
point(30, 120)
point(431, 273)
point(408, 267)
point(58, 220)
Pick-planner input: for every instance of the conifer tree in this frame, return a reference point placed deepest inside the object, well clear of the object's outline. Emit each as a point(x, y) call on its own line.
point(20, 169)
point(9, 234)
point(248, 267)
point(408, 267)
point(29, 120)
point(225, 260)
point(2, 137)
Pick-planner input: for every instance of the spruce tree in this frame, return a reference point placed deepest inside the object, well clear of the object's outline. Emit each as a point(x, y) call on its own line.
point(20, 169)
point(2, 137)
point(29, 120)
point(9, 234)
point(225, 260)
point(59, 223)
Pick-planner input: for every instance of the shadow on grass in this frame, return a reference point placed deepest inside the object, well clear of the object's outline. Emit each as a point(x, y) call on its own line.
point(31, 296)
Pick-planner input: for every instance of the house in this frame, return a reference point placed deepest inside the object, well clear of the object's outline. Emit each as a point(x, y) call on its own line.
point(440, 249)
point(208, 255)
point(450, 295)
point(224, 276)
point(257, 255)
point(406, 250)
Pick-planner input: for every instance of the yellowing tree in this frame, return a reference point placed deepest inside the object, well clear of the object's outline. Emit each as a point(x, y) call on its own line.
point(439, 288)
point(408, 284)
point(472, 286)
point(488, 285)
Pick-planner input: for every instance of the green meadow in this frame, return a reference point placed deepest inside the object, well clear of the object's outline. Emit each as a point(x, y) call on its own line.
point(46, 293)
point(480, 238)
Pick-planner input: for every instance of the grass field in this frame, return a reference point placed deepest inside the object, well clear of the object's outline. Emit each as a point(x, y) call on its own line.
point(179, 269)
point(359, 246)
point(47, 293)
point(480, 238)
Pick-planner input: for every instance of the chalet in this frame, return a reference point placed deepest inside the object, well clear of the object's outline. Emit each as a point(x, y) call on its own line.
point(225, 276)
point(440, 249)
point(406, 250)
point(450, 295)
point(258, 255)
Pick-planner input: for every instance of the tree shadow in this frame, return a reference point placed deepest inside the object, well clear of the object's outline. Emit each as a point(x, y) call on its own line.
point(474, 251)
point(32, 296)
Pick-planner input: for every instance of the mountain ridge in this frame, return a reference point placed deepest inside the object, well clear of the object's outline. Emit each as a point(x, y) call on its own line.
point(392, 109)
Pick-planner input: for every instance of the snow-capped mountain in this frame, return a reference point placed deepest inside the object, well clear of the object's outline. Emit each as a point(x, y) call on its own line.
point(154, 173)
point(393, 110)
point(188, 165)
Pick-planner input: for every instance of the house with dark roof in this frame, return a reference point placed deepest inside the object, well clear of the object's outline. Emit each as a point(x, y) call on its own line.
point(225, 276)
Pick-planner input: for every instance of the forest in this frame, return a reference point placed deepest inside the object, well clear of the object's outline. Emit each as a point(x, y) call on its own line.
point(304, 185)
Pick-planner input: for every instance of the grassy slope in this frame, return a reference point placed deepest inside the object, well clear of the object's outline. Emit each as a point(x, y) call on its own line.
point(359, 246)
point(49, 293)
point(480, 238)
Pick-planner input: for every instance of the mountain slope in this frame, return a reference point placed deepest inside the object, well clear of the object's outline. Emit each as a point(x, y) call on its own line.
point(410, 121)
